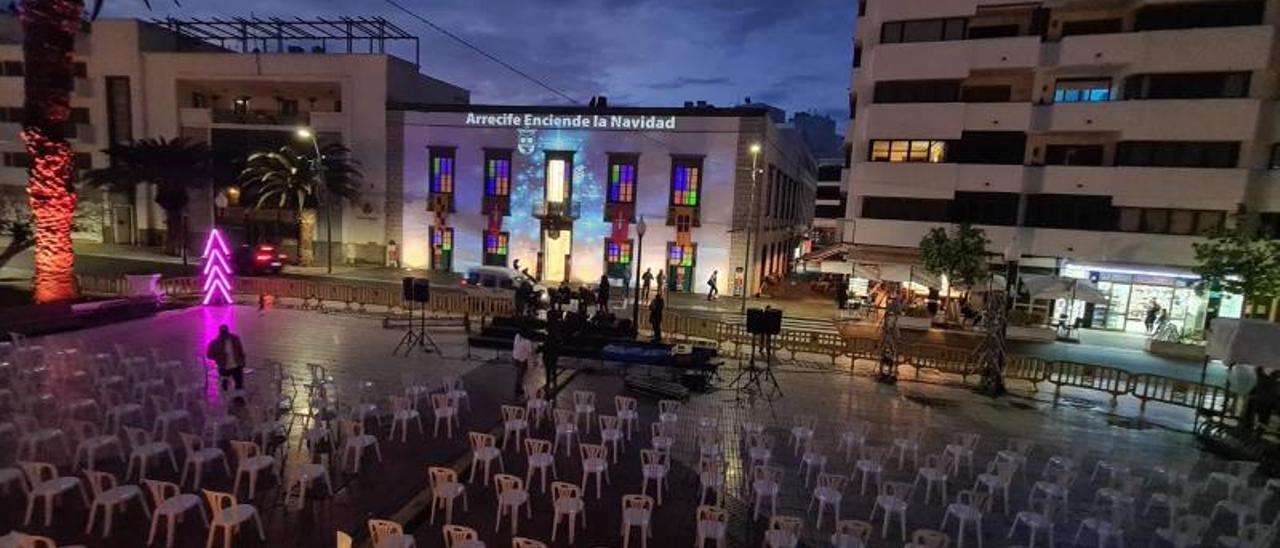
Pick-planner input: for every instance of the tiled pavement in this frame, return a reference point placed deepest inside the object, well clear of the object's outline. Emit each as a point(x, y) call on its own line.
point(357, 350)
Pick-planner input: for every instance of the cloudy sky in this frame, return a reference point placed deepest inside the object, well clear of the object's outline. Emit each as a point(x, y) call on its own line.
point(794, 54)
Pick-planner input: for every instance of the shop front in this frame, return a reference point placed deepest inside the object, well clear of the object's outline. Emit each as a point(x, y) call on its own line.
point(1134, 295)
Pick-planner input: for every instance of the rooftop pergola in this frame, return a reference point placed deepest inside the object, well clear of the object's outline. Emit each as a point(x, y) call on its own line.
point(276, 35)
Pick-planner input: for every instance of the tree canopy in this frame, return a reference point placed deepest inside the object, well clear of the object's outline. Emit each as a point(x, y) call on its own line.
point(1241, 260)
point(960, 254)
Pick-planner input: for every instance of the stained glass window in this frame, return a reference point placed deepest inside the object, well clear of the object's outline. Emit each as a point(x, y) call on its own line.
point(686, 182)
point(617, 252)
point(680, 255)
point(441, 170)
point(442, 238)
point(622, 181)
point(495, 243)
point(497, 176)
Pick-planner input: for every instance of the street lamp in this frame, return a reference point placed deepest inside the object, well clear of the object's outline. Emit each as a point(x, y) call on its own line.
point(317, 166)
point(751, 212)
point(635, 304)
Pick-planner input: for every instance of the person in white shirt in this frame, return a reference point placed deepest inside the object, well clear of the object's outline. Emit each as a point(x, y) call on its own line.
point(521, 353)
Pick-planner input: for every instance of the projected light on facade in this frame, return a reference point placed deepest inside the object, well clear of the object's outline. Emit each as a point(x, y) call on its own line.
point(217, 270)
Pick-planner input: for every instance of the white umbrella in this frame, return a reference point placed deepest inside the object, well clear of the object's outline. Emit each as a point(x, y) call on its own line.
point(1062, 287)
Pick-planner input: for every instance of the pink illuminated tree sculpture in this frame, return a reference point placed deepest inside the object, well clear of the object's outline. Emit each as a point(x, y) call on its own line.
point(217, 270)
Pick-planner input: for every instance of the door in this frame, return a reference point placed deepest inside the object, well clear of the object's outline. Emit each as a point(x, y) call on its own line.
point(555, 256)
point(122, 224)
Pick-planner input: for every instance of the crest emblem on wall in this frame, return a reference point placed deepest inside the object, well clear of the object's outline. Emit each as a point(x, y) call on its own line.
point(525, 140)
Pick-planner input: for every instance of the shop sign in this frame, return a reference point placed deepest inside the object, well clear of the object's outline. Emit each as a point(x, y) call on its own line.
point(571, 121)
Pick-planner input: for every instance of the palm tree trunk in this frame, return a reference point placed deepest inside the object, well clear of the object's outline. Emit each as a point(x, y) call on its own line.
point(49, 30)
point(307, 237)
point(173, 231)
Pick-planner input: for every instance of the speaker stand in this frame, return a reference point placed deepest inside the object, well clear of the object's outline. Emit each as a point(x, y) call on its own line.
point(417, 336)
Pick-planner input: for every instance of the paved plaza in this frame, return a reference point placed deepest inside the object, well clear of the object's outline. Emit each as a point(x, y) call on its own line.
point(357, 353)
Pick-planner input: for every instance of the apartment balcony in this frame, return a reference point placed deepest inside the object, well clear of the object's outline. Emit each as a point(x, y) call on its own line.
point(1184, 50)
point(1172, 187)
point(907, 234)
point(951, 59)
point(260, 118)
point(1164, 119)
point(925, 180)
point(1107, 246)
point(195, 117)
point(328, 121)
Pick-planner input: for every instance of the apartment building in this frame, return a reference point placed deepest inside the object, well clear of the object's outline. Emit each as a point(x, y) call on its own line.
point(829, 204)
point(563, 189)
point(1095, 139)
point(239, 86)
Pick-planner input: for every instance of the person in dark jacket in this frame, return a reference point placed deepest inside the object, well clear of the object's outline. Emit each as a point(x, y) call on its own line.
point(645, 281)
point(602, 299)
point(656, 306)
point(226, 351)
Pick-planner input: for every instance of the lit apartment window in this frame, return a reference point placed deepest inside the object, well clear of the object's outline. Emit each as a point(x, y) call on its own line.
point(1082, 91)
point(495, 248)
point(933, 152)
point(622, 179)
point(240, 105)
point(686, 181)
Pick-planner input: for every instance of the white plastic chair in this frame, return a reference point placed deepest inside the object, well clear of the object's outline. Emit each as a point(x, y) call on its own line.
point(168, 415)
point(402, 412)
point(1235, 476)
point(515, 422)
point(783, 532)
point(1107, 525)
point(389, 534)
point(484, 450)
point(566, 428)
point(892, 500)
point(511, 496)
point(1037, 516)
point(759, 451)
point(539, 458)
point(928, 538)
point(811, 460)
point(456, 390)
point(1177, 497)
point(829, 491)
point(1187, 531)
point(197, 456)
point(584, 408)
point(89, 442)
point(934, 472)
point(851, 533)
point(568, 504)
point(1111, 469)
point(961, 449)
point(712, 524)
point(802, 432)
point(303, 474)
point(627, 410)
point(538, 409)
point(445, 408)
point(766, 482)
point(612, 435)
point(711, 480)
point(852, 440)
point(1254, 535)
point(445, 489)
point(668, 411)
point(1245, 504)
point(228, 516)
point(871, 464)
point(637, 511)
point(107, 496)
point(458, 536)
point(910, 442)
point(170, 504)
point(32, 439)
point(1017, 451)
point(595, 462)
point(142, 450)
point(967, 509)
point(1058, 490)
point(996, 480)
point(354, 443)
point(653, 467)
point(660, 436)
point(250, 461)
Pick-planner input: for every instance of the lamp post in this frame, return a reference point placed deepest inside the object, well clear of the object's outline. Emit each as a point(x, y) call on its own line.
point(750, 228)
point(635, 303)
point(317, 166)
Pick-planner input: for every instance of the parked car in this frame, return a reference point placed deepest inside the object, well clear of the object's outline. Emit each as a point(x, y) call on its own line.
point(259, 260)
point(500, 279)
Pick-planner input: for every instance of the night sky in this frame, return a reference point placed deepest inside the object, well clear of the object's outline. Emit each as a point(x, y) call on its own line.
point(794, 54)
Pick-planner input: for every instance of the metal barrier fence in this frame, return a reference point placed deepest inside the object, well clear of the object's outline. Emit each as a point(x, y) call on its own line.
point(944, 359)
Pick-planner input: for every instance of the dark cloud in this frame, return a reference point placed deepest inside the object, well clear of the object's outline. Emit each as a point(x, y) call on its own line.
point(682, 82)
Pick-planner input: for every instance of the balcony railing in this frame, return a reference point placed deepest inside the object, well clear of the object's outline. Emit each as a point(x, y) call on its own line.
point(261, 117)
point(556, 211)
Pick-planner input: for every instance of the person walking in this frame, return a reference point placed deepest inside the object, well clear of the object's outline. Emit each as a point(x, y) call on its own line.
point(521, 353)
point(662, 283)
point(1150, 319)
point(226, 351)
point(602, 299)
point(626, 285)
point(712, 290)
point(645, 281)
point(842, 294)
point(656, 306)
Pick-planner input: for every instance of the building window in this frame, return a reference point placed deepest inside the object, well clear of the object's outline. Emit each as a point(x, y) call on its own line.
point(985, 208)
point(1275, 157)
point(497, 173)
point(1169, 221)
point(11, 68)
point(1071, 211)
point(986, 94)
point(199, 100)
point(622, 179)
point(1092, 26)
point(1192, 85)
point(924, 30)
point(288, 107)
point(17, 159)
point(906, 209)
point(441, 161)
point(680, 254)
point(12, 114)
point(1189, 15)
point(1073, 155)
point(80, 70)
point(441, 248)
point(496, 248)
point(240, 105)
point(559, 187)
point(1090, 90)
point(933, 152)
point(686, 181)
point(617, 252)
point(857, 56)
point(917, 91)
point(1177, 154)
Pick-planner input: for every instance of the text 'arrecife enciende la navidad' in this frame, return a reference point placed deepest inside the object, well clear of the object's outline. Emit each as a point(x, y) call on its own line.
point(576, 121)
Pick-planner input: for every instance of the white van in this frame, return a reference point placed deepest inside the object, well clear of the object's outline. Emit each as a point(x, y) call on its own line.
point(500, 279)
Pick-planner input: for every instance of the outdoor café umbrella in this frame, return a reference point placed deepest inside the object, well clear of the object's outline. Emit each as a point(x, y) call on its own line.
point(1062, 287)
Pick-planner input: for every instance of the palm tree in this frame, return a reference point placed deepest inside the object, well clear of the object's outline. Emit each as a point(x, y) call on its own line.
point(292, 179)
point(172, 166)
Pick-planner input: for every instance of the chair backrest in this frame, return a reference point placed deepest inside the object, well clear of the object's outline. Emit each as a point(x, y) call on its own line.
point(219, 501)
point(928, 538)
point(1256, 535)
point(440, 475)
point(832, 481)
point(523, 542)
point(975, 499)
point(161, 403)
point(514, 413)
point(652, 456)
point(968, 440)
point(565, 490)
point(1190, 526)
point(99, 482)
point(584, 397)
point(874, 453)
point(789, 524)
point(399, 403)
point(760, 441)
point(480, 440)
point(858, 529)
point(456, 534)
point(658, 429)
point(897, 489)
point(345, 541)
point(380, 529)
point(767, 473)
point(137, 436)
point(711, 465)
point(245, 449)
point(806, 421)
point(350, 428)
point(535, 446)
point(38, 472)
point(1242, 468)
point(563, 416)
point(624, 403)
point(668, 406)
point(441, 402)
point(712, 514)
point(637, 502)
point(1021, 446)
point(191, 442)
point(593, 451)
point(507, 482)
point(161, 490)
point(451, 383)
point(609, 422)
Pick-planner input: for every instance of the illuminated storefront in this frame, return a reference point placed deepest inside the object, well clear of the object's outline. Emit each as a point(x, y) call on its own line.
point(1133, 292)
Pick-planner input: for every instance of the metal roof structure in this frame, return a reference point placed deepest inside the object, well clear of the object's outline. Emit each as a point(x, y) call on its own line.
point(276, 35)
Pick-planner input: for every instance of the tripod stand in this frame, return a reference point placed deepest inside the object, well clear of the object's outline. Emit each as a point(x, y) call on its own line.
point(757, 381)
point(417, 335)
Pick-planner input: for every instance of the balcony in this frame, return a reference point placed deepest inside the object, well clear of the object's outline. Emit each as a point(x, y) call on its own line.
point(1184, 50)
point(1173, 187)
point(1164, 119)
point(195, 117)
point(953, 59)
point(557, 215)
point(11, 132)
point(260, 118)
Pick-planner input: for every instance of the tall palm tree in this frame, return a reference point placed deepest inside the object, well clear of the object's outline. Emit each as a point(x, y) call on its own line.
point(172, 166)
point(290, 178)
